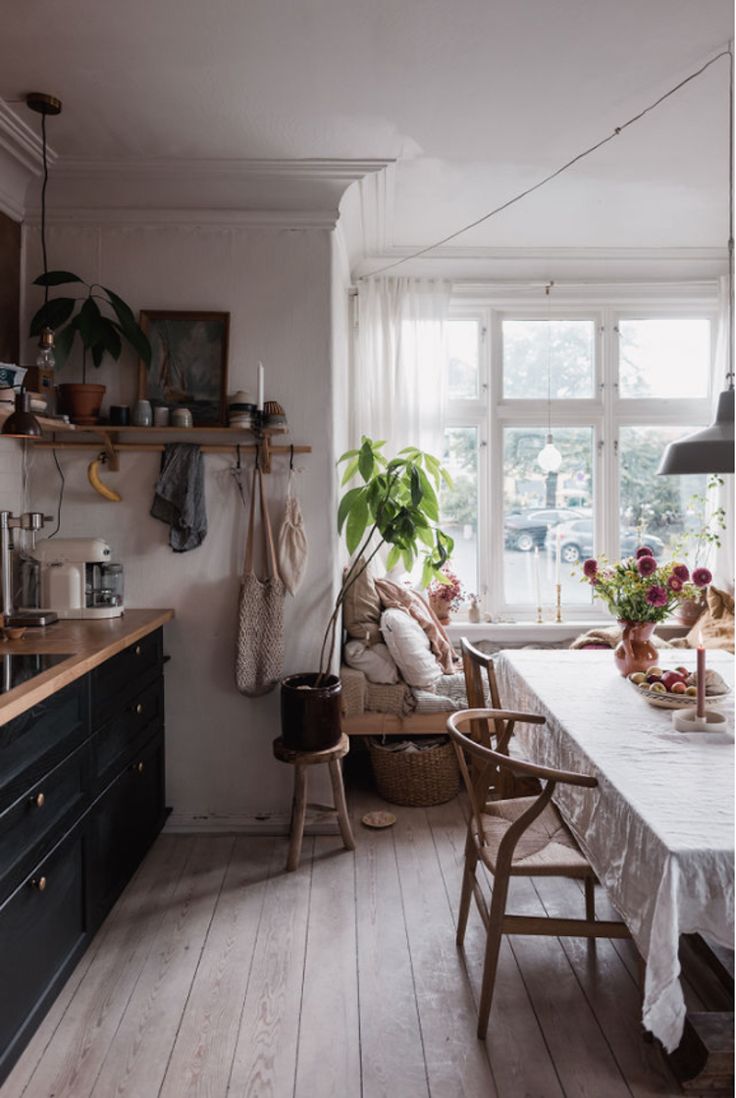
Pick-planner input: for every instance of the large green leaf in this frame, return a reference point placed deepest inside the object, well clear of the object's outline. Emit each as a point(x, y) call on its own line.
point(393, 558)
point(366, 461)
point(416, 487)
point(92, 329)
point(350, 470)
point(347, 454)
point(129, 327)
point(346, 504)
point(356, 524)
point(113, 343)
point(57, 278)
point(53, 314)
point(63, 342)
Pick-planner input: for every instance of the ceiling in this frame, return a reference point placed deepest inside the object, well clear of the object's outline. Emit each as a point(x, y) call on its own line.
point(476, 99)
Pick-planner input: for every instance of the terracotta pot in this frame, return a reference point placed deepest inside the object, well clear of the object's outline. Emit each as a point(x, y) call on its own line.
point(439, 607)
point(310, 715)
point(81, 402)
point(688, 612)
point(635, 651)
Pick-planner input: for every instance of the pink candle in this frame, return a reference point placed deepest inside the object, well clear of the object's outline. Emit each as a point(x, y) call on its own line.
point(700, 708)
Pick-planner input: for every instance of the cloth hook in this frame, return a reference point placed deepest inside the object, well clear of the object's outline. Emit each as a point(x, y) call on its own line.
point(291, 458)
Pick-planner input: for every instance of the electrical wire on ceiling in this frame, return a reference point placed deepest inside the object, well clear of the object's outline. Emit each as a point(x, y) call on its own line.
point(728, 52)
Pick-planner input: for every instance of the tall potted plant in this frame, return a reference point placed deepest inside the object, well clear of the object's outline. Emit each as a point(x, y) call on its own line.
point(396, 505)
point(100, 333)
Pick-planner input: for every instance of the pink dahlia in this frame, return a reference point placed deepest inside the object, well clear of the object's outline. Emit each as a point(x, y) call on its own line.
point(657, 596)
point(643, 551)
point(590, 567)
point(674, 583)
point(646, 565)
point(702, 577)
point(682, 572)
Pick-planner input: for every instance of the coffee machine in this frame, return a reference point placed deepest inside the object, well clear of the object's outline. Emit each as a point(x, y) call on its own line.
point(78, 579)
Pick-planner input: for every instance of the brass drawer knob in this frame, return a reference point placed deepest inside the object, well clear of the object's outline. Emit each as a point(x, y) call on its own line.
point(39, 883)
point(140, 767)
point(139, 708)
point(138, 649)
point(39, 800)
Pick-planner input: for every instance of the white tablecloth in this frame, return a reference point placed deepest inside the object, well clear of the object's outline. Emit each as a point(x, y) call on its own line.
point(659, 828)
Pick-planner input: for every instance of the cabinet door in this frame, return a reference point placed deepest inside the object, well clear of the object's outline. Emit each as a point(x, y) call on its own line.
point(42, 931)
point(120, 678)
point(123, 823)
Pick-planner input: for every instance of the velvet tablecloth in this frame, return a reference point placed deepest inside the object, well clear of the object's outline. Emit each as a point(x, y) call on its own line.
point(659, 828)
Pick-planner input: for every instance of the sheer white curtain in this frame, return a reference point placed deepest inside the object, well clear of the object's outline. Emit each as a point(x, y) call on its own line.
point(721, 560)
point(398, 389)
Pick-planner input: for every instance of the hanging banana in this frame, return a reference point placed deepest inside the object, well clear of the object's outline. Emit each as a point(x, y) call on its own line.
point(93, 475)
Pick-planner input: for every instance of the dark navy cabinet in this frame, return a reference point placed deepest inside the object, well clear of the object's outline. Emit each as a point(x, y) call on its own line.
point(81, 800)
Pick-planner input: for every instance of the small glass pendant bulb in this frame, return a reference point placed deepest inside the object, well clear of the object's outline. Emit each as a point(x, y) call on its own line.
point(46, 358)
point(549, 458)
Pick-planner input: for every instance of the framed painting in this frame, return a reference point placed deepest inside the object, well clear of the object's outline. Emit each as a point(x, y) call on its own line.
point(188, 363)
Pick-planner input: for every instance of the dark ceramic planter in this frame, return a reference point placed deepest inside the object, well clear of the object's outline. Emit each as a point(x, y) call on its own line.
point(310, 715)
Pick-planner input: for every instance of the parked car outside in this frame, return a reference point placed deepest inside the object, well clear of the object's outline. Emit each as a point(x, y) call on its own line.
point(576, 541)
point(525, 529)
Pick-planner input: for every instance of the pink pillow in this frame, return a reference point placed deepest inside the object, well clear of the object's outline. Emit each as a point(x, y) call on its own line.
point(394, 596)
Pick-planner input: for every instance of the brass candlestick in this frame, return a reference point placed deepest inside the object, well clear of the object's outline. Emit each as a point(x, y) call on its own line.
point(558, 590)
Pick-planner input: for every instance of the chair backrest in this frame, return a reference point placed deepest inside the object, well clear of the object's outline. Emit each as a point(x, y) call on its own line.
point(478, 666)
point(487, 761)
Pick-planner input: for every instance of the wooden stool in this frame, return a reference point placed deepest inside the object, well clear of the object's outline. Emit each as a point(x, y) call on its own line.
point(300, 760)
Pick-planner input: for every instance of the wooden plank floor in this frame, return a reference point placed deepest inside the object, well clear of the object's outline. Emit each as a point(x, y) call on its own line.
point(218, 975)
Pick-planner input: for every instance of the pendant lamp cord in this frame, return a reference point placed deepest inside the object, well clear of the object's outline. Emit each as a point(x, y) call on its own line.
point(547, 290)
point(730, 362)
point(43, 208)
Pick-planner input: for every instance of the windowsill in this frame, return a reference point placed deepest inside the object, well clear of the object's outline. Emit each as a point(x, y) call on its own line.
point(530, 631)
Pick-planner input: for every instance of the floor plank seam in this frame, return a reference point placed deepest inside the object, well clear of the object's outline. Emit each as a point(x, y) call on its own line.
point(540, 1027)
point(304, 968)
point(138, 977)
point(196, 968)
point(591, 1008)
point(411, 968)
point(266, 892)
point(357, 971)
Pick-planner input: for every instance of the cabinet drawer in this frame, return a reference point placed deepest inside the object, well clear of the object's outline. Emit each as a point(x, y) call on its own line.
point(42, 929)
point(114, 743)
point(39, 738)
point(42, 813)
point(124, 675)
point(122, 824)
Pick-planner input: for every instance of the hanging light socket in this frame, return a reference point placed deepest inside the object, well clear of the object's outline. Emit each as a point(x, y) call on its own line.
point(42, 103)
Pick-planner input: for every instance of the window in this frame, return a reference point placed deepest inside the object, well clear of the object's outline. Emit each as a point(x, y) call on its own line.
point(623, 382)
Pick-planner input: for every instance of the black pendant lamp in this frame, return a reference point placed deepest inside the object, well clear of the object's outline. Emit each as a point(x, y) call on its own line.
point(711, 450)
point(22, 423)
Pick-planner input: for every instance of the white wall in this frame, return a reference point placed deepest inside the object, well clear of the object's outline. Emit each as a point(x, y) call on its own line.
point(277, 285)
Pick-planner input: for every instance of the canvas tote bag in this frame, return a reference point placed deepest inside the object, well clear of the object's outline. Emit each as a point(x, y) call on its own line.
point(293, 549)
point(259, 656)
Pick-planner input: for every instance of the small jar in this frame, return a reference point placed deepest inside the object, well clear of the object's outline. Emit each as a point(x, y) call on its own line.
point(119, 415)
point(161, 416)
point(142, 414)
point(181, 417)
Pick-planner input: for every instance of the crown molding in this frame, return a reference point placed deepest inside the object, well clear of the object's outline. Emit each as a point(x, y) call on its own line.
point(21, 158)
point(347, 170)
point(154, 218)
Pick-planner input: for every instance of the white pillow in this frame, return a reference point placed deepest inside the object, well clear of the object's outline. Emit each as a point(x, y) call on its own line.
point(375, 661)
point(409, 645)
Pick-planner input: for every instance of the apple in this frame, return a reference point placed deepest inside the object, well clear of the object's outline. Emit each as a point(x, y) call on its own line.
point(658, 688)
point(653, 678)
point(656, 671)
point(684, 671)
point(669, 678)
point(678, 688)
point(643, 685)
point(637, 677)
point(691, 691)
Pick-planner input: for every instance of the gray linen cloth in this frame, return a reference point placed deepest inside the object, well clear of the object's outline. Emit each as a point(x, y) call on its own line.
point(179, 496)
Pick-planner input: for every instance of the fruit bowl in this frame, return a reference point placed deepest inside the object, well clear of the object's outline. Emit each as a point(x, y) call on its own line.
point(657, 691)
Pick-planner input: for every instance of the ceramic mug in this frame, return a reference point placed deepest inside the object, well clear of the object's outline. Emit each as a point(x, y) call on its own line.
point(181, 417)
point(142, 413)
point(161, 416)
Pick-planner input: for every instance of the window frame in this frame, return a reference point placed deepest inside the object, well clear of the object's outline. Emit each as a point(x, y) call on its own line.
point(605, 412)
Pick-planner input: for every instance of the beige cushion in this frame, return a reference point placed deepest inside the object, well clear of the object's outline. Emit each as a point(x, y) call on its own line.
point(716, 624)
point(546, 847)
point(396, 596)
point(362, 608)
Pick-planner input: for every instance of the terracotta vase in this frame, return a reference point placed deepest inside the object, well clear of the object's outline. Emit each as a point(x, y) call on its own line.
point(439, 607)
point(688, 612)
point(635, 651)
point(81, 402)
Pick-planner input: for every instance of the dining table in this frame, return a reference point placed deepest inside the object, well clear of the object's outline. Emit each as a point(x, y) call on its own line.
point(658, 829)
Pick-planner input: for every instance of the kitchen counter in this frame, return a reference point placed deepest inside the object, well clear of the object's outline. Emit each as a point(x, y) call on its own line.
point(89, 643)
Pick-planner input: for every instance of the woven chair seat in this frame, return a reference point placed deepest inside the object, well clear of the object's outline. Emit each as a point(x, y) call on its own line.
point(546, 848)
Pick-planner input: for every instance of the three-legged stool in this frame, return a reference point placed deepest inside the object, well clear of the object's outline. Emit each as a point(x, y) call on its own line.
point(300, 760)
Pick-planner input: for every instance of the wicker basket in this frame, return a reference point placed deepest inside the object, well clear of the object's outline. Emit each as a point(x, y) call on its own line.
point(416, 778)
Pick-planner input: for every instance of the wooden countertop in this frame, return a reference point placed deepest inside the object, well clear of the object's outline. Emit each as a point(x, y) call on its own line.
point(89, 643)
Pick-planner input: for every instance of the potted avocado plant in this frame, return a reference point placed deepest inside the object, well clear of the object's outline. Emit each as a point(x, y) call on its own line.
point(100, 332)
point(396, 505)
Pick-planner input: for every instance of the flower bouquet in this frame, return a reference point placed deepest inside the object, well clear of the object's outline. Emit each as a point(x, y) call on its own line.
point(445, 595)
point(639, 592)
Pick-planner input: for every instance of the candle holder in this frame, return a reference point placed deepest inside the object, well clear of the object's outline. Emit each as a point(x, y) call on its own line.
point(540, 619)
point(558, 594)
point(687, 720)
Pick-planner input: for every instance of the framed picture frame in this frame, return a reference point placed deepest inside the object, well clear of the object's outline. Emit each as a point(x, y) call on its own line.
point(188, 363)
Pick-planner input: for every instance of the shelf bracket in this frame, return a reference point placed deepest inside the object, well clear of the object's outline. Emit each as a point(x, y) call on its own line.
point(112, 459)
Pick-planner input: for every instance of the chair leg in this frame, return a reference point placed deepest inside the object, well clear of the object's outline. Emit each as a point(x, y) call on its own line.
point(590, 899)
point(466, 894)
point(298, 816)
point(493, 946)
point(338, 792)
